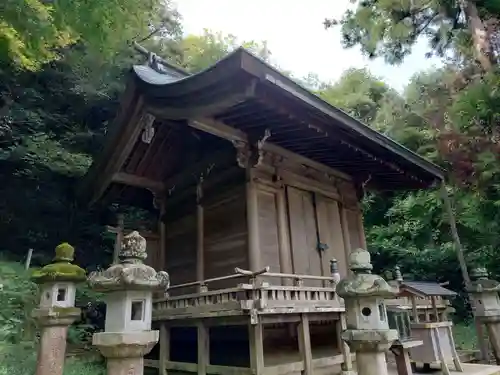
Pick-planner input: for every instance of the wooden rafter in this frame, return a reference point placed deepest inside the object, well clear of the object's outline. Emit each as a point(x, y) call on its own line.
point(222, 130)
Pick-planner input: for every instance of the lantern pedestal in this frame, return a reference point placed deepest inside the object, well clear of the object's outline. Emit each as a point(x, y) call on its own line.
point(125, 352)
point(370, 348)
point(492, 323)
point(54, 323)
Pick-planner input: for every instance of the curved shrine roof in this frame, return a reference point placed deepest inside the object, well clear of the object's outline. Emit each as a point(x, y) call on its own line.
point(246, 95)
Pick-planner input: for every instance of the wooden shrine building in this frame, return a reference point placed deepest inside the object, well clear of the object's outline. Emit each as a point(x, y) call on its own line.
point(249, 170)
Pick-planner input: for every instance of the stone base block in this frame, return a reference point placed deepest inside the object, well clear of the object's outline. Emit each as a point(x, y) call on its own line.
point(369, 340)
point(56, 316)
point(125, 344)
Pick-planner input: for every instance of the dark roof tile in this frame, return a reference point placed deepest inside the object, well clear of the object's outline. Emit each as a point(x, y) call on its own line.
point(427, 288)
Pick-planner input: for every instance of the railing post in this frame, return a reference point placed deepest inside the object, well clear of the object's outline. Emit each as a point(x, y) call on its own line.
point(304, 336)
point(164, 348)
point(256, 342)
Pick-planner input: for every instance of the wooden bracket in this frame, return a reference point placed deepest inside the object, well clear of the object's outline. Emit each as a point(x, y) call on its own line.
point(158, 197)
point(251, 154)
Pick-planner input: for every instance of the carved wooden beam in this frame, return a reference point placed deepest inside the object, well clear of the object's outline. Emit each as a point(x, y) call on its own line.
point(138, 181)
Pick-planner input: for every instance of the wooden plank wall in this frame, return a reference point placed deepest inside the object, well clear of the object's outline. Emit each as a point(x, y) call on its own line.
point(225, 238)
point(311, 214)
point(291, 248)
point(306, 259)
point(268, 229)
point(180, 256)
point(330, 232)
point(153, 250)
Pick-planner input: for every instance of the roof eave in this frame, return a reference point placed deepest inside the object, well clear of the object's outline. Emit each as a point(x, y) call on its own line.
point(98, 177)
point(245, 60)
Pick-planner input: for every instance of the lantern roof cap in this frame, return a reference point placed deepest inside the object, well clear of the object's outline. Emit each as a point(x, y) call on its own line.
point(363, 283)
point(131, 273)
point(480, 282)
point(61, 268)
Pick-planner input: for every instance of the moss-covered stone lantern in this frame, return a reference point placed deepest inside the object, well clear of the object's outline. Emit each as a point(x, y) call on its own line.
point(56, 312)
point(484, 293)
point(128, 287)
point(368, 333)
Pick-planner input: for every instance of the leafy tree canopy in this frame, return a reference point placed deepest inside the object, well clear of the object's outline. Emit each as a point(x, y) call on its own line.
point(390, 28)
point(33, 32)
point(201, 51)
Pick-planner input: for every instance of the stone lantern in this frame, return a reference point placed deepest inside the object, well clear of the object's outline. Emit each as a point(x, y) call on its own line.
point(128, 287)
point(484, 293)
point(368, 333)
point(56, 312)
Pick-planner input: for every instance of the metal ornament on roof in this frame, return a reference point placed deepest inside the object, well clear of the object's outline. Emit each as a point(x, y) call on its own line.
point(131, 273)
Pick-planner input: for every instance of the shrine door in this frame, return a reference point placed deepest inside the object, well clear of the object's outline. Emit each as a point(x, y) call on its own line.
point(315, 234)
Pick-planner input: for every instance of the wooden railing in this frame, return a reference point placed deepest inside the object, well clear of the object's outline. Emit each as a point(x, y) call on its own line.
point(254, 296)
point(203, 284)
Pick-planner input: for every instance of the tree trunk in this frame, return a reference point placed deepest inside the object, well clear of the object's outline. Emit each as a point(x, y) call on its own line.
point(454, 233)
point(480, 37)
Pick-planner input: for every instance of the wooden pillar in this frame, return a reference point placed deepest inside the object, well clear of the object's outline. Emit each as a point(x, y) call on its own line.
point(162, 231)
point(256, 342)
point(346, 351)
point(361, 229)
point(434, 309)
point(414, 309)
point(283, 238)
point(345, 232)
point(305, 344)
point(253, 224)
point(164, 348)
point(200, 232)
point(456, 358)
point(203, 348)
point(118, 231)
point(403, 362)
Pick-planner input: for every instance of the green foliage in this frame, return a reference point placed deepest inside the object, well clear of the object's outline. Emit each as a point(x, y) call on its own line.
point(465, 336)
point(450, 117)
point(201, 51)
point(62, 68)
point(359, 93)
point(390, 29)
point(19, 297)
point(32, 32)
point(21, 360)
